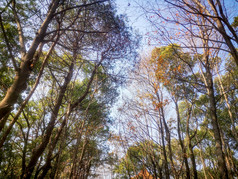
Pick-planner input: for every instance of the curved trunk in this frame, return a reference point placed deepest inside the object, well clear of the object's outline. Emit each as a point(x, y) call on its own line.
point(23, 73)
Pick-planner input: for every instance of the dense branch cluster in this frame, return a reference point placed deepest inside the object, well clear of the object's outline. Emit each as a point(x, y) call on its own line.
point(62, 61)
point(180, 117)
point(57, 85)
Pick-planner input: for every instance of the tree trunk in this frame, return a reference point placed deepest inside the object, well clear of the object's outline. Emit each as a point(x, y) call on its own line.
point(41, 148)
point(54, 170)
point(203, 162)
point(185, 155)
point(222, 30)
point(195, 175)
point(164, 150)
point(193, 161)
point(223, 93)
point(168, 139)
point(23, 73)
point(223, 173)
point(47, 165)
point(14, 120)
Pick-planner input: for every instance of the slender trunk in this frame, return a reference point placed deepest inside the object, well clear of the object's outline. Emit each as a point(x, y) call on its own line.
point(54, 170)
point(153, 164)
point(189, 138)
point(233, 166)
point(75, 155)
point(223, 173)
point(47, 165)
point(164, 150)
point(55, 167)
point(168, 139)
point(208, 80)
point(41, 148)
point(228, 163)
point(25, 148)
point(223, 93)
point(74, 105)
point(193, 160)
point(195, 175)
point(169, 144)
point(38, 168)
point(203, 162)
point(88, 168)
point(79, 161)
point(185, 155)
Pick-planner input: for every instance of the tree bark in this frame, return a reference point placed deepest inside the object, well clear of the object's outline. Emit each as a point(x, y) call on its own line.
point(168, 139)
point(24, 71)
point(223, 173)
point(164, 150)
point(222, 30)
point(189, 138)
point(40, 149)
point(47, 165)
point(185, 155)
point(223, 93)
point(14, 120)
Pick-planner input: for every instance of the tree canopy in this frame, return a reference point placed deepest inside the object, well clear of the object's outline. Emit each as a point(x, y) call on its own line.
point(77, 95)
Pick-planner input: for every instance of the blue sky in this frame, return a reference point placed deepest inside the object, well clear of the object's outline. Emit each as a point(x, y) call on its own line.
point(136, 18)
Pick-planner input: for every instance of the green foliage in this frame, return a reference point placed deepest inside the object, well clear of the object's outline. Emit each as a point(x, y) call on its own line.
point(187, 134)
point(235, 22)
point(139, 156)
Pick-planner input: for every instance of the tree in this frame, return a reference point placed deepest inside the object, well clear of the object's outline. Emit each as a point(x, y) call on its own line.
point(202, 28)
point(53, 30)
point(172, 75)
point(139, 157)
point(183, 19)
point(77, 70)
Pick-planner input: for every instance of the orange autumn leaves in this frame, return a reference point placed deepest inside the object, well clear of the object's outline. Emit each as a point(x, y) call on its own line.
point(163, 67)
point(158, 105)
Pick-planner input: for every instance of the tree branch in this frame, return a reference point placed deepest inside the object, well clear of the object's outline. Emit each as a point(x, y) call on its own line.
point(8, 45)
point(19, 28)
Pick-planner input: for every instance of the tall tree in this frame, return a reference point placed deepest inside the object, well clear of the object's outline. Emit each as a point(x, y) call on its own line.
point(85, 40)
